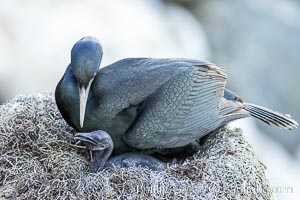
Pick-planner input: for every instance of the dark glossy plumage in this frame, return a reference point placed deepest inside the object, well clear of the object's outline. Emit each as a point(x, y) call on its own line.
point(146, 103)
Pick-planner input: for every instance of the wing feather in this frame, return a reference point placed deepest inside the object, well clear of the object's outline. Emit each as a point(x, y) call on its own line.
point(130, 81)
point(209, 91)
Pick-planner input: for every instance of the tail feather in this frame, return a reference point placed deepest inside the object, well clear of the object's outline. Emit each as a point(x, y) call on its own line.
point(271, 117)
point(278, 120)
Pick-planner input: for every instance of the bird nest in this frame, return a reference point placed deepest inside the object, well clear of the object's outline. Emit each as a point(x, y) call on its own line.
point(39, 161)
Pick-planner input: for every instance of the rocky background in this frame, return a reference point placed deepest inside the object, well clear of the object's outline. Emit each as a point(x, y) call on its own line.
point(256, 41)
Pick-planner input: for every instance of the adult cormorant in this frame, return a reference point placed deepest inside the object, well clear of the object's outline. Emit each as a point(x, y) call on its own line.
point(147, 103)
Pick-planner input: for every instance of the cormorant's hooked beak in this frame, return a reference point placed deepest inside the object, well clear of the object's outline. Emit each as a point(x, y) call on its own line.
point(83, 94)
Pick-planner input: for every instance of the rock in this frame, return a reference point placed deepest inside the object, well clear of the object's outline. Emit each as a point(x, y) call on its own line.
point(257, 42)
point(36, 37)
point(39, 161)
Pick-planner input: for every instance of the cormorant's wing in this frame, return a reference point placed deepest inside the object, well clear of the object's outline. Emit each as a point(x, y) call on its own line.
point(183, 109)
point(130, 81)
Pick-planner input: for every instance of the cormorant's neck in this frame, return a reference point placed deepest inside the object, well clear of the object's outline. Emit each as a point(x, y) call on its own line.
point(69, 73)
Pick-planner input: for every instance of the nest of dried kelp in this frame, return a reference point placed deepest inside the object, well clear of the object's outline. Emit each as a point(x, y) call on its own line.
point(38, 161)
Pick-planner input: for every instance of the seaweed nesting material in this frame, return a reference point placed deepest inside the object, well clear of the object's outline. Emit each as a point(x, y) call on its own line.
point(38, 161)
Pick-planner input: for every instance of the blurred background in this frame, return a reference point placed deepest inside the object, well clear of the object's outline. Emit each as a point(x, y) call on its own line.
point(257, 42)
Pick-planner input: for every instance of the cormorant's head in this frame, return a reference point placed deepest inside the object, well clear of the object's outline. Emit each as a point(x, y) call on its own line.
point(86, 56)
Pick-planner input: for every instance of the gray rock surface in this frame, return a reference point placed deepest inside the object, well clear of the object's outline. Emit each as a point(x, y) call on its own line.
point(36, 37)
point(257, 42)
point(38, 161)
